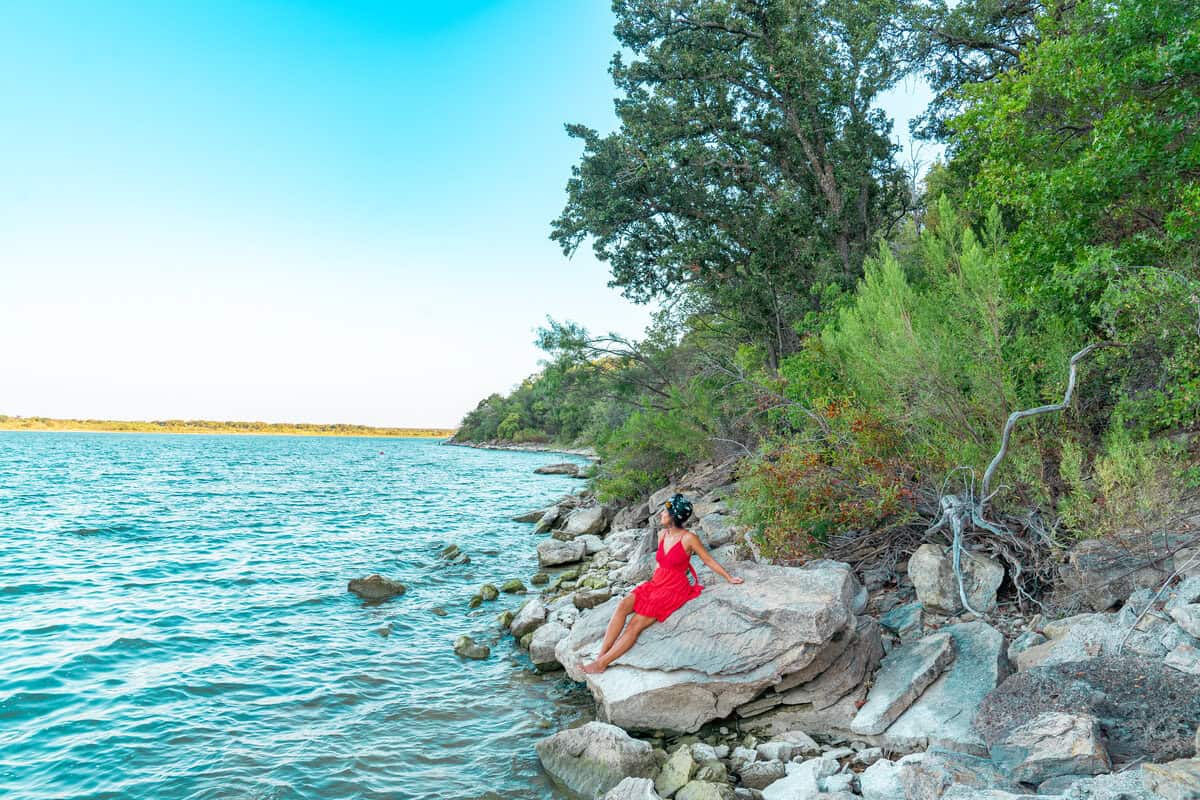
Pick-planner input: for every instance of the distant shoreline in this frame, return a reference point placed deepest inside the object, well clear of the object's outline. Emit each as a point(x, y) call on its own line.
point(231, 428)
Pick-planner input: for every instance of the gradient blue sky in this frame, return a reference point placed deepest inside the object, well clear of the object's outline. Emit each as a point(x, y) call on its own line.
point(293, 211)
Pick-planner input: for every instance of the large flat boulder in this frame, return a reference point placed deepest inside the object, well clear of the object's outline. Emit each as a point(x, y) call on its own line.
point(903, 676)
point(593, 758)
point(582, 521)
point(552, 552)
point(1051, 745)
point(720, 650)
point(943, 715)
point(1145, 709)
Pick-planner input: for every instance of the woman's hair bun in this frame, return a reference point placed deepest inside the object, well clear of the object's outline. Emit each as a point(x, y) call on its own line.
point(680, 508)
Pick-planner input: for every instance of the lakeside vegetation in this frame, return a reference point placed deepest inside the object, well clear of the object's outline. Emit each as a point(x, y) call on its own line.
point(8, 423)
point(859, 330)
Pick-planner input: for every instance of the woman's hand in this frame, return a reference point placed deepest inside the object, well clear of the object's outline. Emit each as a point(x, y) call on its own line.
point(735, 580)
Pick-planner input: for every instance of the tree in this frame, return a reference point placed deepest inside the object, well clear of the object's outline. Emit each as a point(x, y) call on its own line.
point(749, 167)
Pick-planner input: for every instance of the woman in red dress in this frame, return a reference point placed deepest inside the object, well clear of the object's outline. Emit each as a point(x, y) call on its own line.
point(669, 588)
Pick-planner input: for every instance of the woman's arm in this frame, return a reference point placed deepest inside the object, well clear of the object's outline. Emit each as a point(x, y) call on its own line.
point(691, 543)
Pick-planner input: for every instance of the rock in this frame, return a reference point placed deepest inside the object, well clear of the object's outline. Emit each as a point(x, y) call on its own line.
point(838, 753)
point(1175, 780)
point(802, 744)
point(861, 655)
point(702, 752)
point(540, 579)
point(1184, 658)
point(716, 530)
point(466, 647)
point(1145, 709)
point(553, 552)
point(802, 781)
point(548, 520)
point(902, 676)
point(513, 586)
point(704, 790)
point(676, 772)
point(1086, 636)
point(633, 789)
point(450, 552)
point(594, 758)
point(761, 774)
point(1186, 593)
point(583, 521)
point(741, 756)
point(842, 783)
point(565, 468)
point(712, 771)
point(533, 516)
point(592, 543)
point(881, 781)
point(1188, 618)
point(590, 598)
point(776, 751)
point(942, 716)
point(1052, 744)
point(931, 569)
point(384, 630)
point(489, 592)
point(930, 774)
point(723, 649)
point(904, 621)
point(505, 618)
point(634, 516)
point(376, 588)
point(438, 611)
point(476, 601)
point(1105, 572)
point(528, 618)
point(1023, 642)
point(541, 646)
point(868, 756)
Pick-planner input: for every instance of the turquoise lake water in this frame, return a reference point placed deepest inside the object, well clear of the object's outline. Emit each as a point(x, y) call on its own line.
point(174, 620)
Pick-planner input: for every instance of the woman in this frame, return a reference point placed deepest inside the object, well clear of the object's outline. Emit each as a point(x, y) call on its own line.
point(663, 594)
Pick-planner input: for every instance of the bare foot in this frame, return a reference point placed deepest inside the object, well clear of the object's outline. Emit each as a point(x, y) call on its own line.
point(593, 668)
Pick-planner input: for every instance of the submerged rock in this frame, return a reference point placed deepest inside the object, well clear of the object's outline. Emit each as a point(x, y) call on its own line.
point(376, 588)
point(489, 591)
point(466, 647)
point(595, 757)
point(718, 651)
point(513, 586)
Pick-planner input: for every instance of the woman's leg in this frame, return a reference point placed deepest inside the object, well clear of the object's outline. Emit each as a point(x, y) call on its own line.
point(630, 635)
point(620, 614)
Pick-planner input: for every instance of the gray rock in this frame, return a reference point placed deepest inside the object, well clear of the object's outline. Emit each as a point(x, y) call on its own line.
point(902, 677)
point(1087, 636)
point(1126, 785)
point(881, 781)
point(904, 621)
point(529, 618)
point(489, 591)
point(1023, 642)
point(548, 520)
point(848, 671)
point(724, 648)
point(942, 716)
point(868, 756)
point(595, 757)
point(931, 569)
point(704, 790)
point(776, 751)
point(1188, 618)
point(553, 552)
point(1175, 636)
point(716, 530)
point(633, 789)
point(590, 598)
point(803, 781)
point(741, 756)
point(711, 771)
point(583, 521)
point(1052, 744)
point(761, 774)
point(540, 579)
point(1186, 593)
point(842, 783)
point(936, 771)
point(541, 647)
point(565, 468)
point(702, 752)
point(1175, 780)
point(1105, 572)
point(1146, 710)
point(535, 515)
point(376, 588)
point(592, 543)
point(676, 772)
point(802, 743)
point(1184, 658)
point(466, 647)
point(513, 586)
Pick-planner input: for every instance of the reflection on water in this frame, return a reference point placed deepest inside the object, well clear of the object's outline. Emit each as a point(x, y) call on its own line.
point(174, 620)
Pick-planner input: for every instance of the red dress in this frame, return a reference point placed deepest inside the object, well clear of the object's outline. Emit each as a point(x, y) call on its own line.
point(669, 587)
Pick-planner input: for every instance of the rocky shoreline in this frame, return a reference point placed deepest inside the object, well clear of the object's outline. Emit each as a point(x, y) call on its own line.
point(530, 447)
point(815, 683)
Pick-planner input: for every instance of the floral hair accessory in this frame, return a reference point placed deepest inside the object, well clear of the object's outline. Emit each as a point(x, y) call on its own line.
point(680, 508)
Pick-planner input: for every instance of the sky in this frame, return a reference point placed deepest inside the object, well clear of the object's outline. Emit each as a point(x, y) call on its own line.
point(294, 211)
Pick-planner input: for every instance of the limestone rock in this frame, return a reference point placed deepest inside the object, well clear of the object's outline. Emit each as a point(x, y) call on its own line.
point(548, 520)
point(902, 676)
point(942, 716)
point(716, 530)
point(1105, 572)
point(857, 661)
point(590, 598)
point(539, 579)
point(530, 616)
point(489, 591)
point(761, 774)
point(722, 649)
point(513, 586)
point(704, 790)
point(1145, 709)
point(595, 757)
point(541, 646)
point(533, 516)
point(712, 771)
point(466, 647)
point(1188, 618)
point(904, 621)
point(592, 543)
point(1175, 780)
point(675, 773)
point(931, 569)
point(1052, 744)
point(553, 552)
point(930, 775)
point(1023, 642)
point(881, 781)
point(376, 588)
point(802, 781)
point(1184, 658)
point(583, 521)
point(633, 789)
point(565, 468)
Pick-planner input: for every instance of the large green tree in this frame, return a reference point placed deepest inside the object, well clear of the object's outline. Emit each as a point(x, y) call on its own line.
point(750, 165)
